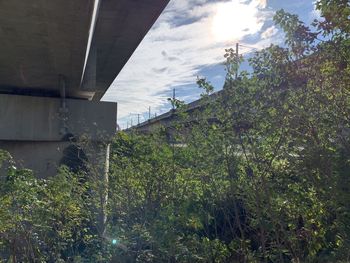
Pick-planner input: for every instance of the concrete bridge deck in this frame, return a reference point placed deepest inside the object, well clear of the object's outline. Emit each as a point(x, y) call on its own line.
point(86, 41)
point(57, 59)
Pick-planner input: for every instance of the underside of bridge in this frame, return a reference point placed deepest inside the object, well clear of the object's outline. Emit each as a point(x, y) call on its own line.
point(57, 59)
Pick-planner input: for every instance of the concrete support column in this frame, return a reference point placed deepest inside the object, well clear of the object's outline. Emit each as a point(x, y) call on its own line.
point(30, 129)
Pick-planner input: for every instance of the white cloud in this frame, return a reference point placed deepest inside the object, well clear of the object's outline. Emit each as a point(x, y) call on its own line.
point(269, 32)
point(182, 42)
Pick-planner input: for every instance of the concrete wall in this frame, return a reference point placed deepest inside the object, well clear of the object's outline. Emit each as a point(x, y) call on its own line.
point(31, 130)
point(26, 118)
point(42, 157)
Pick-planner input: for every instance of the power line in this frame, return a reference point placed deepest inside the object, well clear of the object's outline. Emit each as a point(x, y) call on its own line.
point(246, 46)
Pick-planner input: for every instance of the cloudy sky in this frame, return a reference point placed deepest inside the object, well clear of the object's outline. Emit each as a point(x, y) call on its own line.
point(188, 40)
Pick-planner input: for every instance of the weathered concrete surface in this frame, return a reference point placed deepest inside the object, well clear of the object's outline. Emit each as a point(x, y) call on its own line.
point(31, 131)
point(26, 118)
point(40, 40)
point(45, 42)
point(43, 158)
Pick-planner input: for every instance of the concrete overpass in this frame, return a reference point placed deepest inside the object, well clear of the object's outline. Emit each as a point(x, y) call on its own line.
point(170, 120)
point(57, 59)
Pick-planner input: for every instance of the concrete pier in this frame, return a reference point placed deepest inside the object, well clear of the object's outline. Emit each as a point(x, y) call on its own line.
point(57, 60)
point(41, 137)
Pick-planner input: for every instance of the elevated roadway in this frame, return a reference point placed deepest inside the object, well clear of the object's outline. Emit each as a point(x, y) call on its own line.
point(57, 59)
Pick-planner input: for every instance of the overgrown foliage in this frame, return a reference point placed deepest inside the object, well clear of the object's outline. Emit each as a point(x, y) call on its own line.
point(261, 173)
point(45, 220)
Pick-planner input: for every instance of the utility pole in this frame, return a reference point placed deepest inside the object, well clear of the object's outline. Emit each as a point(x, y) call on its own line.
point(138, 119)
point(237, 60)
point(149, 112)
point(173, 98)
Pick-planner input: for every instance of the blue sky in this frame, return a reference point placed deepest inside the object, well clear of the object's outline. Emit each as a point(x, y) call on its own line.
point(188, 40)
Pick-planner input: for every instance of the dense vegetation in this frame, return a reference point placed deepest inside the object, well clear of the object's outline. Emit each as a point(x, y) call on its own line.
point(261, 175)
